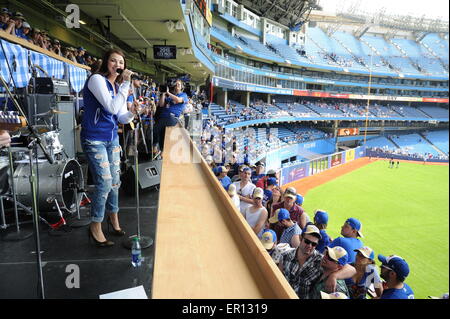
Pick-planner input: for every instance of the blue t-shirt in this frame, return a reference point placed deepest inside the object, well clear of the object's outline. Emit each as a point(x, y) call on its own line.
point(403, 293)
point(324, 242)
point(226, 181)
point(175, 109)
point(349, 244)
point(267, 195)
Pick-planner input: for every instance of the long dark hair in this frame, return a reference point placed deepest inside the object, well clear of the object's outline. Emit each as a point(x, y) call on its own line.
point(103, 70)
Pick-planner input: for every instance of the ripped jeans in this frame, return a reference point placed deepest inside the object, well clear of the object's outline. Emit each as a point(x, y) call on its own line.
point(104, 164)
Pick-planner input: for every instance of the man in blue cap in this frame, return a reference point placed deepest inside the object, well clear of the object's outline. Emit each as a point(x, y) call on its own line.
point(321, 222)
point(271, 183)
point(394, 270)
point(350, 231)
point(222, 172)
point(80, 56)
point(291, 233)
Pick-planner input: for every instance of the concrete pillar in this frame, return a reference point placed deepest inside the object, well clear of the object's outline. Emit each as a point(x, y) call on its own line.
point(269, 98)
point(245, 99)
point(222, 97)
point(335, 132)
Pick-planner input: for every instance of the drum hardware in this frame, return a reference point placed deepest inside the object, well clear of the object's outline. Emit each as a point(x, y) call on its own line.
point(19, 234)
point(78, 195)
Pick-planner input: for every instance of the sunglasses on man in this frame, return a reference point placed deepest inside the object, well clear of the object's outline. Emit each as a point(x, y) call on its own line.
point(308, 242)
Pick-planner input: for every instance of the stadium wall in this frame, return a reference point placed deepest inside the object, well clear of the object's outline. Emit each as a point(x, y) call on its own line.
point(296, 172)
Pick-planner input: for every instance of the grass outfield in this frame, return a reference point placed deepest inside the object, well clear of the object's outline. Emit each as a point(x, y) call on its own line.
point(404, 211)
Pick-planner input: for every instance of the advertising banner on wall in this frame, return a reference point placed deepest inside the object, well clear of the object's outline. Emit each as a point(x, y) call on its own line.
point(294, 173)
point(349, 155)
point(336, 159)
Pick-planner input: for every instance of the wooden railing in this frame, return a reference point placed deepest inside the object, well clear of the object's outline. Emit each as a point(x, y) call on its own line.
point(204, 248)
point(31, 46)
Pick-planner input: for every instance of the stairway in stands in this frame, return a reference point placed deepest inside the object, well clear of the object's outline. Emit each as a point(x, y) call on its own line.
point(432, 145)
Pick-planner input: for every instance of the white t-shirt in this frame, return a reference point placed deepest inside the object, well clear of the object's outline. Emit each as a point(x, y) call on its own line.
point(253, 218)
point(246, 191)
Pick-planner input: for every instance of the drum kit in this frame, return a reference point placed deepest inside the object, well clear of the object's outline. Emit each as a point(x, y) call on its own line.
point(59, 181)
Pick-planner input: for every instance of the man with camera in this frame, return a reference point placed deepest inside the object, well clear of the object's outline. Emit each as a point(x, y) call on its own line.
point(171, 105)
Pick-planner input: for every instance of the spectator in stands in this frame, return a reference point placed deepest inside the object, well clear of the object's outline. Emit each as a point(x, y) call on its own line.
point(36, 37)
point(350, 231)
point(277, 197)
point(269, 240)
point(256, 214)
point(366, 275)
point(271, 184)
point(321, 222)
point(234, 196)
point(26, 31)
point(105, 95)
point(14, 24)
point(69, 54)
point(80, 55)
point(291, 233)
point(302, 269)
point(334, 259)
point(297, 213)
point(245, 188)
point(223, 178)
point(4, 18)
point(258, 173)
point(262, 182)
point(56, 48)
point(394, 270)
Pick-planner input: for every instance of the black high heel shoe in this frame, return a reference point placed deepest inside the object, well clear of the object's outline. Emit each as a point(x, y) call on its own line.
point(114, 232)
point(106, 243)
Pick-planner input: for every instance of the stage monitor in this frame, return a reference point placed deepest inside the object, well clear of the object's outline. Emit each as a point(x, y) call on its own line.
point(166, 52)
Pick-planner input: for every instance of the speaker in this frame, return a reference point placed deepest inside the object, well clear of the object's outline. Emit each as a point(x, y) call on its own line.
point(149, 174)
point(64, 119)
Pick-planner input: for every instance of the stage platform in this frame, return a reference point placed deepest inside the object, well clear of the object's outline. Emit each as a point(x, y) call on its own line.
point(102, 270)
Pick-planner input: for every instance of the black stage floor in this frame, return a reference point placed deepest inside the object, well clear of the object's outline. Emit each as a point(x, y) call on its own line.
point(101, 270)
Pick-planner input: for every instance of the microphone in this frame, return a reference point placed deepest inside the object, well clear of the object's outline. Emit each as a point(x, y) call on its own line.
point(134, 76)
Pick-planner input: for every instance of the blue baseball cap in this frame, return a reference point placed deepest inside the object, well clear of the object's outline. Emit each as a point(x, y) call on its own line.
point(81, 49)
point(339, 254)
point(222, 169)
point(299, 199)
point(272, 181)
point(355, 224)
point(397, 264)
point(280, 214)
point(268, 238)
point(321, 217)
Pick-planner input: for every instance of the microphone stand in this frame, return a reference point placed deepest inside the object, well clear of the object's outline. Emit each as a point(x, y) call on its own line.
point(144, 241)
point(31, 147)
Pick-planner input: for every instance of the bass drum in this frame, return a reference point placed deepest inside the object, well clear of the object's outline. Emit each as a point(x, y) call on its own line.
point(56, 181)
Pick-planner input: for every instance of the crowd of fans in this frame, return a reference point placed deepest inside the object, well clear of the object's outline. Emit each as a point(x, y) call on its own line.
point(16, 24)
point(315, 265)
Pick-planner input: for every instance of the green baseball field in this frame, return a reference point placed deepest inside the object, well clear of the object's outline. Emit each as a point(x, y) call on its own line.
point(404, 211)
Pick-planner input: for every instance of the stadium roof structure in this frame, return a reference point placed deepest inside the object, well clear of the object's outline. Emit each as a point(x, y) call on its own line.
point(290, 13)
point(141, 25)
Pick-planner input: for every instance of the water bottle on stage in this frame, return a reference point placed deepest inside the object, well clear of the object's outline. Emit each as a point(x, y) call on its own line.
point(136, 257)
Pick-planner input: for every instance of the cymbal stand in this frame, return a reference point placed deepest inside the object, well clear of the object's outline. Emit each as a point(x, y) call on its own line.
point(19, 234)
point(144, 241)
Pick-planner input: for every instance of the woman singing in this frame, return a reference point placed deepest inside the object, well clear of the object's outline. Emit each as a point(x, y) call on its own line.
point(105, 95)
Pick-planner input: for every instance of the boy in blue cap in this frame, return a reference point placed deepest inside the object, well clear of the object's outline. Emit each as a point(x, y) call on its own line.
point(350, 231)
point(394, 269)
point(271, 183)
point(291, 233)
point(321, 221)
